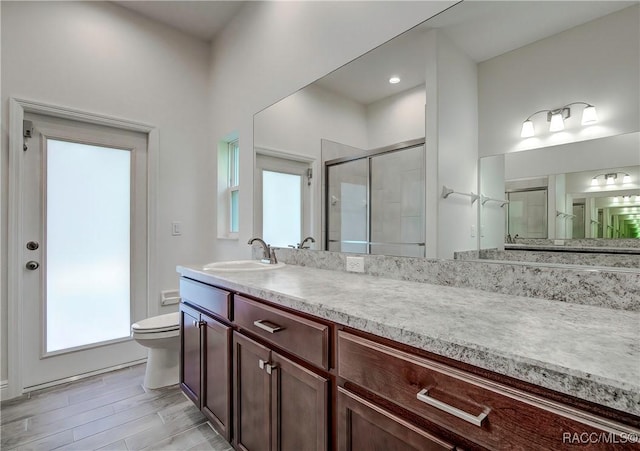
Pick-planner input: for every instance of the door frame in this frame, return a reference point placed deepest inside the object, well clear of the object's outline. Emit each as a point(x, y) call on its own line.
point(17, 109)
point(313, 187)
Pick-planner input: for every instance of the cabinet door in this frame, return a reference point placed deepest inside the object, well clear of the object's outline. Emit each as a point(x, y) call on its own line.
point(365, 426)
point(299, 407)
point(216, 389)
point(252, 427)
point(190, 367)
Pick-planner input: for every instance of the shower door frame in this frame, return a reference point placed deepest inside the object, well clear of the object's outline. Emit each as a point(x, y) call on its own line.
point(368, 155)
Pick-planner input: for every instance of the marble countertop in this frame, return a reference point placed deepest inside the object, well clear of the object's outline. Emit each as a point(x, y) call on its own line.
point(592, 353)
point(569, 248)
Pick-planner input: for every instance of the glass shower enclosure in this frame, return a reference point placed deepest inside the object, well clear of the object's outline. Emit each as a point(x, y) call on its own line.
point(375, 203)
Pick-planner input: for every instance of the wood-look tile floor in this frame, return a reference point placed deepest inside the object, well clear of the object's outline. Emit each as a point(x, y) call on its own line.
point(111, 411)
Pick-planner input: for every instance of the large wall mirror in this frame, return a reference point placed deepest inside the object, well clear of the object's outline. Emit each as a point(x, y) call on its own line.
point(468, 78)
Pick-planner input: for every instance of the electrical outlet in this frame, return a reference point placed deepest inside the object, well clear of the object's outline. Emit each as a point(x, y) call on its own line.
point(355, 264)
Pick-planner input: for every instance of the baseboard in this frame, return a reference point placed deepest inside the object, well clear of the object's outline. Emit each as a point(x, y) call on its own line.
point(82, 376)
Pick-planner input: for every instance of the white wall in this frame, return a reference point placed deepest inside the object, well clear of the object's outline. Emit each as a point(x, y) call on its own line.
point(397, 118)
point(611, 152)
point(297, 123)
point(452, 147)
point(596, 62)
point(272, 49)
point(102, 58)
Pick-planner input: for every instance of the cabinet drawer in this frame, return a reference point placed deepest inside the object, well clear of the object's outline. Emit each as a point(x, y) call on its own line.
point(363, 425)
point(211, 299)
point(300, 336)
point(491, 414)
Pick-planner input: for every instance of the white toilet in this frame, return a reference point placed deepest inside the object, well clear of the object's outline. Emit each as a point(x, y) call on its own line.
point(161, 334)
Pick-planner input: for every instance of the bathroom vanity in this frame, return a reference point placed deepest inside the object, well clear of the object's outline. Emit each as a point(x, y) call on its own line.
point(307, 359)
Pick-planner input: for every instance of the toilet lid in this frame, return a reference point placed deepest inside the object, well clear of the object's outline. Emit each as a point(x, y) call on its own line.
point(158, 323)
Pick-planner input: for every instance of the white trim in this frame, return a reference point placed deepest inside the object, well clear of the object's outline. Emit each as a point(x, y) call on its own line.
point(66, 380)
point(17, 109)
point(270, 152)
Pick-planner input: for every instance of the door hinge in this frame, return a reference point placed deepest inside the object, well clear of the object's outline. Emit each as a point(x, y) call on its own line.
point(309, 176)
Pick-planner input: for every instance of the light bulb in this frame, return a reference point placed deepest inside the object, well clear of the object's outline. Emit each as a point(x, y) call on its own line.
point(626, 178)
point(589, 115)
point(594, 181)
point(527, 129)
point(611, 179)
point(393, 80)
point(615, 200)
point(626, 198)
point(557, 122)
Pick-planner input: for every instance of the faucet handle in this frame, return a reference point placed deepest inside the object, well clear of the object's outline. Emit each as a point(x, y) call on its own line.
point(272, 256)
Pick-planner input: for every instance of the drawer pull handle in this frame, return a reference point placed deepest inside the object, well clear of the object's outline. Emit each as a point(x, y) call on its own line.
point(423, 396)
point(266, 325)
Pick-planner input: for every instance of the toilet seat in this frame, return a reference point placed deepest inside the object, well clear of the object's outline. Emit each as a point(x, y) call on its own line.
point(158, 324)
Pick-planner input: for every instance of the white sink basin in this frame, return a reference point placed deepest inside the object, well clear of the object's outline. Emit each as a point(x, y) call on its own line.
point(241, 265)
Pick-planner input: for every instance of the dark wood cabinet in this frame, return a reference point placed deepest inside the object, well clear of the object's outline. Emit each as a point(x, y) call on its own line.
point(279, 405)
point(252, 391)
point(485, 413)
point(216, 377)
point(272, 379)
point(205, 371)
point(363, 425)
point(190, 355)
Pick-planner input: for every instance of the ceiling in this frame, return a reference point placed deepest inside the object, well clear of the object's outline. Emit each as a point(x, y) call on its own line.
point(200, 19)
point(482, 29)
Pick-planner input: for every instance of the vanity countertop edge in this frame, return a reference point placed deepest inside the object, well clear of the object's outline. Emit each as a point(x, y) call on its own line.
point(591, 353)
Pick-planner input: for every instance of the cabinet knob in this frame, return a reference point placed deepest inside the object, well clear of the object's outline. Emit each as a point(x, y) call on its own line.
point(270, 368)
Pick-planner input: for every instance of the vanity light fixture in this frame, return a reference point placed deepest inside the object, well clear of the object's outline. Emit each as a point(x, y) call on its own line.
point(556, 118)
point(394, 80)
point(610, 178)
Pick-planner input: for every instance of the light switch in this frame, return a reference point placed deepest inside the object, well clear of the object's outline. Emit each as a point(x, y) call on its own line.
point(176, 228)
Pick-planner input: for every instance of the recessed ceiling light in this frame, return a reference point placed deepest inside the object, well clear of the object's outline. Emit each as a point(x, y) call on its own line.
point(393, 80)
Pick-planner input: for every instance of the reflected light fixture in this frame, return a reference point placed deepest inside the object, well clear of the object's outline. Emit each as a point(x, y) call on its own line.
point(394, 80)
point(556, 118)
point(610, 178)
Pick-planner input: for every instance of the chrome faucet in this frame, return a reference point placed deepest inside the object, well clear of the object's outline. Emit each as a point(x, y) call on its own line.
point(309, 238)
point(268, 254)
